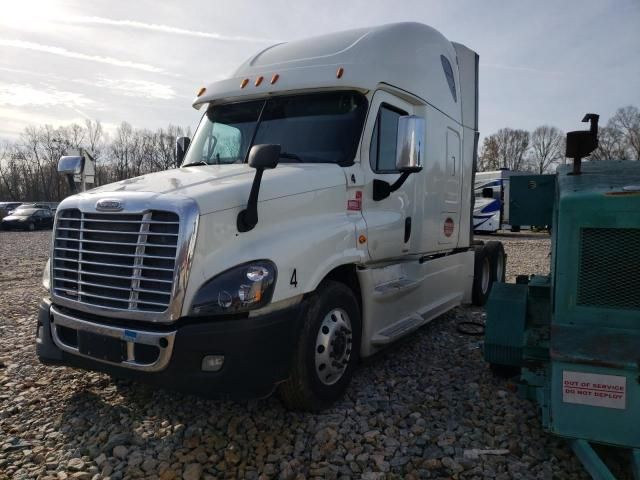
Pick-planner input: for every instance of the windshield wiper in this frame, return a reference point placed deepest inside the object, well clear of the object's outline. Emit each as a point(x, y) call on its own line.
point(291, 156)
point(195, 164)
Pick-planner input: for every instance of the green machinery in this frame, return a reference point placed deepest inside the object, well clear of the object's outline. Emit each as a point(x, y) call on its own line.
point(574, 335)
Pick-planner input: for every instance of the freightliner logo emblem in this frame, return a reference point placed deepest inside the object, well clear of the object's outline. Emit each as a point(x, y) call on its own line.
point(109, 205)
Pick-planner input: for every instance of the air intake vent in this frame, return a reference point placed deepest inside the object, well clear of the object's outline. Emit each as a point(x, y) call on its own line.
point(609, 275)
point(116, 260)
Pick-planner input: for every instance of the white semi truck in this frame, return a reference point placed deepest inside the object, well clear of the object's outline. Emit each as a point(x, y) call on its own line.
point(322, 211)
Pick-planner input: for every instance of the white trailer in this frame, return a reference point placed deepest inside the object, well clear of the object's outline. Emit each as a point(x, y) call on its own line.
point(491, 205)
point(321, 212)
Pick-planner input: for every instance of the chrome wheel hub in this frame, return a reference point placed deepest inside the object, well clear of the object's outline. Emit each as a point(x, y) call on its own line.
point(333, 346)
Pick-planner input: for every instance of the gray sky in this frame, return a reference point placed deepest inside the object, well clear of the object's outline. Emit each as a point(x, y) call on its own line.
point(142, 61)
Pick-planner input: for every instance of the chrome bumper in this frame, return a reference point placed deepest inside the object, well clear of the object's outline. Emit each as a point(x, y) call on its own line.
point(164, 341)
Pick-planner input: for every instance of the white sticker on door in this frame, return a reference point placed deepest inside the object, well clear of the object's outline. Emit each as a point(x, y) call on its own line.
point(609, 391)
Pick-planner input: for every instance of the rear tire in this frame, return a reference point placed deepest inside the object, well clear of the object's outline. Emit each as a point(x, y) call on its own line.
point(31, 227)
point(498, 260)
point(481, 277)
point(327, 351)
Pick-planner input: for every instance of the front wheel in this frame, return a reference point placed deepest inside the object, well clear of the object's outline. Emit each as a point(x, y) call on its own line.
point(327, 350)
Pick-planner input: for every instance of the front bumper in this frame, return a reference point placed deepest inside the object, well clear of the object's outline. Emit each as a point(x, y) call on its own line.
point(257, 350)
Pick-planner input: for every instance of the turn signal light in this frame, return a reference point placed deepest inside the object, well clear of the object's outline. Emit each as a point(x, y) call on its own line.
point(259, 80)
point(201, 91)
point(244, 83)
point(275, 78)
point(340, 72)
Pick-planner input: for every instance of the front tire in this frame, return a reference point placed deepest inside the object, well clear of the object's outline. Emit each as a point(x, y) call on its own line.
point(327, 351)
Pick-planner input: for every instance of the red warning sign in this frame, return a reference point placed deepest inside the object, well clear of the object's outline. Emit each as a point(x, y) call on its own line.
point(448, 227)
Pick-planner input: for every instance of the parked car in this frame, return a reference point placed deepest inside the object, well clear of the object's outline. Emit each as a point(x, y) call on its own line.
point(7, 207)
point(28, 219)
point(44, 206)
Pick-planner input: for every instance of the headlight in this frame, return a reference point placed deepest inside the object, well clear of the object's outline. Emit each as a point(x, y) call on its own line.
point(240, 289)
point(46, 276)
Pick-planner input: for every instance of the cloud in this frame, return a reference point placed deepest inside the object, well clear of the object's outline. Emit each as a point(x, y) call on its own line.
point(63, 52)
point(21, 95)
point(137, 88)
point(166, 29)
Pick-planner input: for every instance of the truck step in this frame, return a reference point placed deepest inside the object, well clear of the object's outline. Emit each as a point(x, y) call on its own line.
point(398, 329)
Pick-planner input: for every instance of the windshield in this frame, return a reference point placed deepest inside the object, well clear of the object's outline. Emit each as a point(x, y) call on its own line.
point(311, 128)
point(24, 212)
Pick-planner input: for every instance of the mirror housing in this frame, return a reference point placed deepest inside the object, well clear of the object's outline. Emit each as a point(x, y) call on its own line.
point(80, 170)
point(487, 192)
point(409, 147)
point(261, 157)
point(264, 156)
point(71, 165)
point(182, 144)
point(409, 152)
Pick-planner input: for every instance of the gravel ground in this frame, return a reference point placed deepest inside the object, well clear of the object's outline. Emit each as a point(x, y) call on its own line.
point(416, 411)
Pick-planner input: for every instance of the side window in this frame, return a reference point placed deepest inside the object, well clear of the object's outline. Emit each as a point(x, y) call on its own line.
point(448, 73)
point(222, 144)
point(382, 152)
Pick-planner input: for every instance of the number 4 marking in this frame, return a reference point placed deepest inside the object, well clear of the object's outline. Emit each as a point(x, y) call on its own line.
point(294, 279)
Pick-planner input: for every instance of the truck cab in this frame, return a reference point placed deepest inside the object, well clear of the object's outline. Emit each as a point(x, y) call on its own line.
point(322, 211)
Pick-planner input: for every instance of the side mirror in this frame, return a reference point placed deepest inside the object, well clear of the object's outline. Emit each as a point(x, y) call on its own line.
point(261, 157)
point(409, 149)
point(409, 152)
point(264, 156)
point(182, 145)
point(71, 165)
point(487, 192)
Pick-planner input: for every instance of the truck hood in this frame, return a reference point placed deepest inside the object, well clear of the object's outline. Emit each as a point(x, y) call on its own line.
point(221, 187)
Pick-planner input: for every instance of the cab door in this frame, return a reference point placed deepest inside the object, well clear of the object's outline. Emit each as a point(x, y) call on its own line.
point(390, 222)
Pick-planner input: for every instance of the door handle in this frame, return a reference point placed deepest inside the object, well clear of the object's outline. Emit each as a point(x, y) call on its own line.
point(407, 229)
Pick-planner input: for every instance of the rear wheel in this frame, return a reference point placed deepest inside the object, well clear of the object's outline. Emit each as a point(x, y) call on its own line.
point(497, 259)
point(481, 277)
point(327, 349)
point(31, 227)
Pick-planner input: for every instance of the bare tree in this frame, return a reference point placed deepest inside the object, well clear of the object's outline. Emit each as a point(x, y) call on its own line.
point(505, 149)
point(547, 148)
point(611, 145)
point(489, 153)
point(627, 121)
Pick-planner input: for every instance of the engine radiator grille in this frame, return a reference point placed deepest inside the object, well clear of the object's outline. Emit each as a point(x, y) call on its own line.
point(609, 270)
point(116, 260)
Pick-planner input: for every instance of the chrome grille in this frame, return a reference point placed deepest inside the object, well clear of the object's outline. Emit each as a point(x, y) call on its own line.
point(116, 260)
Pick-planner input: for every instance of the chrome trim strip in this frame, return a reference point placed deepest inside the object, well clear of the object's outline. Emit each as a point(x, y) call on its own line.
point(127, 335)
point(139, 203)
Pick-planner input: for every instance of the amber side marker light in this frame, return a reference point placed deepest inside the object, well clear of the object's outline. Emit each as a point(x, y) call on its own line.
point(340, 72)
point(259, 80)
point(362, 239)
point(275, 78)
point(201, 91)
point(244, 83)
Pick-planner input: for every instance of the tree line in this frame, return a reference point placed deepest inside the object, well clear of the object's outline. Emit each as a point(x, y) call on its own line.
point(28, 166)
point(543, 149)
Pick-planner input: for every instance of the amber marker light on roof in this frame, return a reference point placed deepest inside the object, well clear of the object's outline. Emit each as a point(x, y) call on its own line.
point(201, 91)
point(340, 72)
point(244, 83)
point(259, 80)
point(275, 78)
